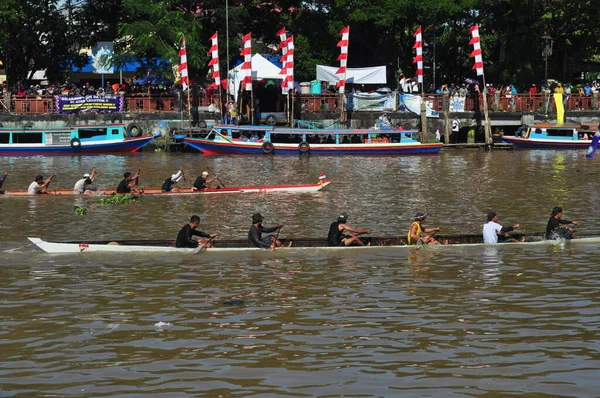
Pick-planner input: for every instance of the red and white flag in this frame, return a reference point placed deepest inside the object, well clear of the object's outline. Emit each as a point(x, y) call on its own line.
point(343, 58)
point(283, 46)
point(288, 64)
point(419, 57)
point(214, 58)
point(247, 65)
point(183, 69)
point(476, 50)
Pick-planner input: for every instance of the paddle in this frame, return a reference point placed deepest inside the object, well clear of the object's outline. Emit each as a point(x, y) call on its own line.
point(216, 176)
point(200, 247)
point(276, 237)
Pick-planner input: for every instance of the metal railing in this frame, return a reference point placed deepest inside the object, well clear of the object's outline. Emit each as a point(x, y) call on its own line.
point(313, 103)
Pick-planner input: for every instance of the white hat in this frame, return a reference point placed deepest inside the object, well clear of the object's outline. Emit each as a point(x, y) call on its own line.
point(86, 175)
point(174, 177)
point(205, 173)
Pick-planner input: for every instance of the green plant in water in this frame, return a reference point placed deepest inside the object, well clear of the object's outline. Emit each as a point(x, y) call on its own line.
point(116, 199)
point(80, 211)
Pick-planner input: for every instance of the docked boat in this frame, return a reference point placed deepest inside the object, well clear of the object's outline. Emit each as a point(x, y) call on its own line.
point(228, 139)
point(549, 136)
point(299, 245)
point(25, 141)
point(183, 191)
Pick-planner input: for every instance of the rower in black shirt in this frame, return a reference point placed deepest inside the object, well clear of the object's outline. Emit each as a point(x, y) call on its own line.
point(336, 235)
point(255, 237)
point(184, 237)
point(202, 182)
point(553, 228)
point(167, 186)
point(127, 185)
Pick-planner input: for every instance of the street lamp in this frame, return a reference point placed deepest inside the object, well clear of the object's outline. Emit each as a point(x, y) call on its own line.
point(546, 52)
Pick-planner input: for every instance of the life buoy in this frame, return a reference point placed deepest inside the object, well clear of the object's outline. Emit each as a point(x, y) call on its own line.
point(304, 147)
point(267, 148)
point(134, 130)
point(75, 143)
point(271, 120)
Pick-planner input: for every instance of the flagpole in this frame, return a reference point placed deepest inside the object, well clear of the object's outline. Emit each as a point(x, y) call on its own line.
point(486, 127)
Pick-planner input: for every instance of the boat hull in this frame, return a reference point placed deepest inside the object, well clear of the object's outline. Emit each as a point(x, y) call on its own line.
point(94, 147)
point(300, 245)
point(211, 147)
point(535, 143)
point(305, 188)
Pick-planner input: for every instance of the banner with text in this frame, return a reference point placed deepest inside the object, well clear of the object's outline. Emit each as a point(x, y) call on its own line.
point(106, 103)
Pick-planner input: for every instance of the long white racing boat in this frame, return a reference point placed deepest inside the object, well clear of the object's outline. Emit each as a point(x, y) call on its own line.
point(156, 191)
point(233, 246)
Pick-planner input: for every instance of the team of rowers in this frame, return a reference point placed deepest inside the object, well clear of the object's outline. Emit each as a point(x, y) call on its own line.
point(341, 233)
point(129, 184)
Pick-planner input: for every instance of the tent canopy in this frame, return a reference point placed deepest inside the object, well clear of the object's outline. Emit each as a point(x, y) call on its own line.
point(371, 75)
point(261, 69)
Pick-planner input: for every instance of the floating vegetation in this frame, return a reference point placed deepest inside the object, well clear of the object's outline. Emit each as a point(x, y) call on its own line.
point(116, 199)
point(80, 211)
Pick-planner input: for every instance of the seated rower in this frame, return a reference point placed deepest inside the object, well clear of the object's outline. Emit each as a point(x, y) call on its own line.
point(255, 237)
point(39, 186)
point(202, 182)
point(2, 181)
point(167, 186)
point(553, 228)
point(184, 237)
point(81, 186)
point(496, 233)
point(129, 182)
point(336, 235)
point(418, 233)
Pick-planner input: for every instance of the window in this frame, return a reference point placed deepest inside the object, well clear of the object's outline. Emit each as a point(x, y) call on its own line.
point(4, 138)
point(27, 138)
point(92, 132)
point(559, 132)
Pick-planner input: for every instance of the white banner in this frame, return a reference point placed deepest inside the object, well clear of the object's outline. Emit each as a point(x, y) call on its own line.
point(371, 101)
point(413, 104)
point(457, 104)
point(372, 75)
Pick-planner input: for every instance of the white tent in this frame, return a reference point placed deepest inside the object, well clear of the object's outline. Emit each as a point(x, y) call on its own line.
point(261, 69)
point(372, 75)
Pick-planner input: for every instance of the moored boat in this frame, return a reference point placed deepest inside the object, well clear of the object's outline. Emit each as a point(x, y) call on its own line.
point(299, 245)
point(549, 136)
point(229, 139)
point(156, 191)
point(96, 139)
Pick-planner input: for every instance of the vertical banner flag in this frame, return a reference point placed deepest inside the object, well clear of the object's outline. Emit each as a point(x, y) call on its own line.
point(591, 152)
point(560, 109)
point(247, 65)
point(476, 50)
point(283, 46)
point(289, 64)
point(183, 65)
point(343, 58)
point(419, 57)
point(214, 59)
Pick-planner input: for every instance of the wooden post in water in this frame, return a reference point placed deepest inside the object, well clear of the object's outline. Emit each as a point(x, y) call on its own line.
point(423, 121)
point(486, 127)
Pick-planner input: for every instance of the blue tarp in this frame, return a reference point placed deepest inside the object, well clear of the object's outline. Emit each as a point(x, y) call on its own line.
point(131, 66)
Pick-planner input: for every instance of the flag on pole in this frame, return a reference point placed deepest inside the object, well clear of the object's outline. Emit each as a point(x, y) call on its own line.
point(183, 69)
point(247, 65)
point(214, 59)
point(288, 82)
point(343, 58)
point(419, 57)
point(284, 48)
point(478, 66)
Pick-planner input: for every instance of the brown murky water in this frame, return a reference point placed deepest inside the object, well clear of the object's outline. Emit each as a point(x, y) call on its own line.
point(502, 321)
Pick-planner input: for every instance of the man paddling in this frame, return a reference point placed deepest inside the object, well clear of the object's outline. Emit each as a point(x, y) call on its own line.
point(554, 229)
point(336, 235)
point(184, 237)
point(128, 183)
point(417, 232)
point(81, 186)
point(167, 186)
point(255, 237)
point(496, 233)
point(39, 186)
point(202, 182)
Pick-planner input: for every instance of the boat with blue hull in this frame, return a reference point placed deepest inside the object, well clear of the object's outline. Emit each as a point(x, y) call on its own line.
point(96, 139)
point(549, 136)
point(228, 139)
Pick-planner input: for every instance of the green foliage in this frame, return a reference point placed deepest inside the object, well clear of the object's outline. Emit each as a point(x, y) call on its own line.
point(117, 199)
point(80, 211)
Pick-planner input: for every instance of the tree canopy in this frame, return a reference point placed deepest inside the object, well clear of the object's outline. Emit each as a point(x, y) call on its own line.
point(49, 35)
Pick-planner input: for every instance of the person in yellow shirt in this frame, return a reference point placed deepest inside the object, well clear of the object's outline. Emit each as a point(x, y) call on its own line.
point(417, 232)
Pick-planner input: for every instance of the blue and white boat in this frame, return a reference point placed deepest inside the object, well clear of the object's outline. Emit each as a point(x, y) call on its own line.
point(549, 136)
point(26, 141)
point(228, 139)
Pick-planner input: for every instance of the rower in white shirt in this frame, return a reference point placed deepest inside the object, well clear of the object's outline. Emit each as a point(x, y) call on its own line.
point(496, 233)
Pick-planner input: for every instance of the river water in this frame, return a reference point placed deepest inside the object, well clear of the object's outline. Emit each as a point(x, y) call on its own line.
point(503, 321)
